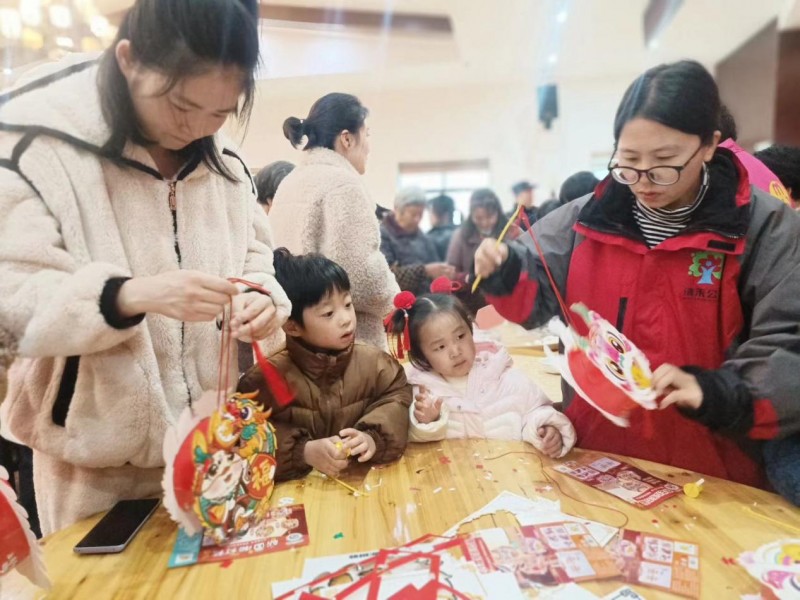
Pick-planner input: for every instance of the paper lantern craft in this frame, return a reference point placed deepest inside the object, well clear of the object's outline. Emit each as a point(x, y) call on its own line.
point(18, 546)
point(604, 367)
point(220, 466)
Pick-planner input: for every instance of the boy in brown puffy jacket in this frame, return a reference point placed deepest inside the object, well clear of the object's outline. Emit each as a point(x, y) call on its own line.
point(351, 400)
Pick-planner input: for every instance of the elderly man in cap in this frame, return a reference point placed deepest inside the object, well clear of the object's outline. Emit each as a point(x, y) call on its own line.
point(412, 255)
point(523, 194)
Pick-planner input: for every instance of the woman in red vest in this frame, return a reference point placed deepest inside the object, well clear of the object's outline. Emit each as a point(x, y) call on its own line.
point(699, 269)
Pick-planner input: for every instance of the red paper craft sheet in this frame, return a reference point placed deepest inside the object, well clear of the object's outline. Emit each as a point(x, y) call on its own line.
point(619, 479)
point(659, 562)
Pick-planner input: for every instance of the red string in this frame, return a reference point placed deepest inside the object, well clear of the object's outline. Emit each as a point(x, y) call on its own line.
point(552, 481)
point(564, 309)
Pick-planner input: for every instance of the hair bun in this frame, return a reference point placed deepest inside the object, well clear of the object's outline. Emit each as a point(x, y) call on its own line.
point(294, 130)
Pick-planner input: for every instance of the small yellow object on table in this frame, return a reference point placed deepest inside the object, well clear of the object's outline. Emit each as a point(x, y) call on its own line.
point(693, 489)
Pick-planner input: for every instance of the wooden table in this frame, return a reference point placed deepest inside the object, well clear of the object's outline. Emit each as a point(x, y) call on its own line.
point(406, 504)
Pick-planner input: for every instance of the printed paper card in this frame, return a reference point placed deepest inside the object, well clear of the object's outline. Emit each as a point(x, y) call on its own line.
point(549, 554)
point(281, 529)
point(659, 562)
point(619, 479)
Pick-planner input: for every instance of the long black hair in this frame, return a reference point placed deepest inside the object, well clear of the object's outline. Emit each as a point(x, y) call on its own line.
point(425, 307)
point(486, 199)
point(328, 117)
point(180, 38)
point(681, 95)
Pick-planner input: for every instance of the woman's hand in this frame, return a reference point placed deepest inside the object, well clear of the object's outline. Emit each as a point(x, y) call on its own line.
point(489, 257)
point(358, 442)
point(254, 316)
point(680, 387)
point(182, 295)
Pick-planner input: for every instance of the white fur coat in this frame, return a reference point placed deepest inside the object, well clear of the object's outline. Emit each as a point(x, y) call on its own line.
point(322, 206)
point(70, 219)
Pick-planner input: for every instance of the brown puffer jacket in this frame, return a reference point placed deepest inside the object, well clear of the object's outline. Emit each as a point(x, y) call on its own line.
point(362, 387)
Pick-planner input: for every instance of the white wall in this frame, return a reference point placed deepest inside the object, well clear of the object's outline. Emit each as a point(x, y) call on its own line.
point(470, 122)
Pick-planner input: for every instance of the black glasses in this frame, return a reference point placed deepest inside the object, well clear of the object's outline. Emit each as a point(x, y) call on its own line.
point(661, 175)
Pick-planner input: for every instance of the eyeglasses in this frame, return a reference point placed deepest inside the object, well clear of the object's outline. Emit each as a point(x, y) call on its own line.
point(661, 175)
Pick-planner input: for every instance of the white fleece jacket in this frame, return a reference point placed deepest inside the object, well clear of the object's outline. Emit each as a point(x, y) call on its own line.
point(501, 403)
point(322, 206)
point(71, 219)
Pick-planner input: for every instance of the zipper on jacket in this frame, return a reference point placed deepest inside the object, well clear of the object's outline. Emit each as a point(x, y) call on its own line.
point(172, 198)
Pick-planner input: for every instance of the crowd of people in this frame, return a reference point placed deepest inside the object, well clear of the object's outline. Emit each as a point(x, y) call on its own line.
point(121, 224)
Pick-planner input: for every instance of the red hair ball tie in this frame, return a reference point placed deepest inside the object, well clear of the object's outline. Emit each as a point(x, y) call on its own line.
point(443, 285)
point(402, 302)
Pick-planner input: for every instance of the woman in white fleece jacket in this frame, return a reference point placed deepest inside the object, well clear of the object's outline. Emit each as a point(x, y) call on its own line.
point(323, 207)
point(468, 388)
point(122, 214)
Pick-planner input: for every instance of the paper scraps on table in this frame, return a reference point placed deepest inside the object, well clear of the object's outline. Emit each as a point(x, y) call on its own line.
point(535, 511)
point(619, 479)
point(659, 562)
point(776, 566)
point(281, 529)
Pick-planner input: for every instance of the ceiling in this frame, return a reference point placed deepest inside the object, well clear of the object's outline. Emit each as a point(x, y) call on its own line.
point(486, 42)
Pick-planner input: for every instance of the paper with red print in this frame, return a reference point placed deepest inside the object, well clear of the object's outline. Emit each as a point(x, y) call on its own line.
point(549, 554)
point(619, 479)
point(659, 562)
point(281, 529)
point(220, 466)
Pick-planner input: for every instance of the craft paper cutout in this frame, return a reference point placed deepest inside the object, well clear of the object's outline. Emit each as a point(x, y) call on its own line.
point(776, 566)
point(605, 362)
point(18, 546)
point(220, 466)
point(659, 562)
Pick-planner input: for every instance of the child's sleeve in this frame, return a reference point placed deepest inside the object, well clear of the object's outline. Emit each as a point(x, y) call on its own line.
point(427, 432)
point(386, 418)
point(540, 412)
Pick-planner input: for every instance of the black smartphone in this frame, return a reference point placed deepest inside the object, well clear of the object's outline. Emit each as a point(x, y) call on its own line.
point(118, 527)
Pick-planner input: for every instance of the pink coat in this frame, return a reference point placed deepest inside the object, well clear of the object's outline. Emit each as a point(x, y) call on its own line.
point(501, 403)
point(758, 173)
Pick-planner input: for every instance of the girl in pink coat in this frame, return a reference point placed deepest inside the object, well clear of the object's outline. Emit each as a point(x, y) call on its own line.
point(466, 387)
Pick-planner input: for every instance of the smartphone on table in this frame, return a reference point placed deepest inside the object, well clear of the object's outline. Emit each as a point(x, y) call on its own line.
point(118, 527)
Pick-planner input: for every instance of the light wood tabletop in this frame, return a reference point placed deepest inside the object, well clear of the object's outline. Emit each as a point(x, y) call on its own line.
point(429, 490)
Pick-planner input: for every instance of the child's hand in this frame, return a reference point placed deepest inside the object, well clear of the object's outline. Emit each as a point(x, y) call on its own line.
point(358, 442)
point(426, 408)
point(552, 444)
point(681, 387)
point(325, 457)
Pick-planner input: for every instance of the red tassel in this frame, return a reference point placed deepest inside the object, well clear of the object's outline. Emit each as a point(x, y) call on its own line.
point(406, 334)
point(275, 381)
